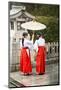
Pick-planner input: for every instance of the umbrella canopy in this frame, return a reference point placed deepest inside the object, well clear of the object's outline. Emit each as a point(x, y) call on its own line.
point(33, 25)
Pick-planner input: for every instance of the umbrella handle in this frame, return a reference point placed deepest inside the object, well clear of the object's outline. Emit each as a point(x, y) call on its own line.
point(33, 36)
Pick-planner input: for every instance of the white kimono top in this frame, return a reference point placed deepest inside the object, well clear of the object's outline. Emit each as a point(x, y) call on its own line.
point(39, 42)
point(27, 43)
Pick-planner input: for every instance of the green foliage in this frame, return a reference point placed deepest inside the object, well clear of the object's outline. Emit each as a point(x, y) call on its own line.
point(48, 15)
point(43, 9)
point(51, 33)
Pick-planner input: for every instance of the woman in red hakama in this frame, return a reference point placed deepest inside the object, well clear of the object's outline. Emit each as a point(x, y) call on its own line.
point(25, 59)
point(41, 56)
point(40, 60)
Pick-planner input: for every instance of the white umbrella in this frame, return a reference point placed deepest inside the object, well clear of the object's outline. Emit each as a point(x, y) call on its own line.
point(33, 25)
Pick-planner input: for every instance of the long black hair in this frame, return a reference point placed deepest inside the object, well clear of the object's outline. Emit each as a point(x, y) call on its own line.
point(24, 35)
point(39, 35)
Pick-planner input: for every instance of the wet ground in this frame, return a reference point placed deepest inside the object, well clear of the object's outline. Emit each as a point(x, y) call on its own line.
point(51, 77)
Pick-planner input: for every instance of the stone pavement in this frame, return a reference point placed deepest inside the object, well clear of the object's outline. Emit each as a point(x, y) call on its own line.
point(51, 77)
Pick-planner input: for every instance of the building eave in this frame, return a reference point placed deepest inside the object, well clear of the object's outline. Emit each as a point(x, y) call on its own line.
point(16, 15)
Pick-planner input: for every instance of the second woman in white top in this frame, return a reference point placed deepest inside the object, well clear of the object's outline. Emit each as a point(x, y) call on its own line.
point(40, 49)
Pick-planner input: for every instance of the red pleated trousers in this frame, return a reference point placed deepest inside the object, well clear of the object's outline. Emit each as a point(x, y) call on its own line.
point(25, 61)
point(40, 60)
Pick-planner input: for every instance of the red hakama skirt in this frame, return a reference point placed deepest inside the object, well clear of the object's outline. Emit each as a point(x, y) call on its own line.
point(25, 61)
point(40, 60)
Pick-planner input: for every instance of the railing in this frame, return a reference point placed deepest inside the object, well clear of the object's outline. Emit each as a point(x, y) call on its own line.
point(51, 55)
point(53, 48)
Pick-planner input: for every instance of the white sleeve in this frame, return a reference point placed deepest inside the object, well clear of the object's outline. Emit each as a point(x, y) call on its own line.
point(29, 44)
point(35, 46)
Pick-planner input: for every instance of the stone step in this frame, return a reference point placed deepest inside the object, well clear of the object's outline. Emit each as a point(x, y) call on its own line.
point(14, 83)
